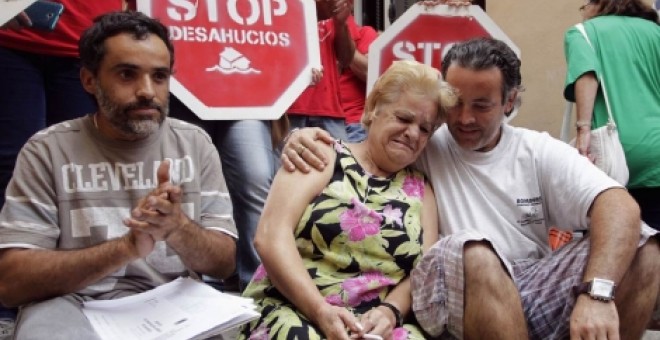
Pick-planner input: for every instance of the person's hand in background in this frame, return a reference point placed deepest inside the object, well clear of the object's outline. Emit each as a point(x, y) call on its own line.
point(18, 22)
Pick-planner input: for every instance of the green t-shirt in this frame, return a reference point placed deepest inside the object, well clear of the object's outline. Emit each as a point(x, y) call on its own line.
point(627, 56)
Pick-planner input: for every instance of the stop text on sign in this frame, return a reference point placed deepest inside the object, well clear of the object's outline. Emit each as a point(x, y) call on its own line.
point(250, 13)
point(263, 10)
point(406, 50)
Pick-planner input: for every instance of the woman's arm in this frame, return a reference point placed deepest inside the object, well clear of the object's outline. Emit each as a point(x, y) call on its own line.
point(430, 221)
point(586, 89)
point(289, 195)
point(382, 320)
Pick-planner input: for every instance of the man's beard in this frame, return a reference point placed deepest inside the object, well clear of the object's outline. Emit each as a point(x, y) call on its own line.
point(118, 115)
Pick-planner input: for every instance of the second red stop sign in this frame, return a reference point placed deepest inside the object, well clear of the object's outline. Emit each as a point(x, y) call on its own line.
point(426, 33)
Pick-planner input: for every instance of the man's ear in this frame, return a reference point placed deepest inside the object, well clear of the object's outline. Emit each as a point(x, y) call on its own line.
point(510, 101)
point(88, 80)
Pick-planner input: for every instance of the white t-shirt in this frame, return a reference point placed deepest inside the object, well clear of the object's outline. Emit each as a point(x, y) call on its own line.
point(514, 193)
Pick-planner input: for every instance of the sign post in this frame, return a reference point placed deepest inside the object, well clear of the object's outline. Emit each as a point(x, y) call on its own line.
point(426, 33)
point(247, 59)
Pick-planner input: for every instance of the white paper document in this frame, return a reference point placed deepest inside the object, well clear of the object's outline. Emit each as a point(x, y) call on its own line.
point(10, 8)
point(181, 309)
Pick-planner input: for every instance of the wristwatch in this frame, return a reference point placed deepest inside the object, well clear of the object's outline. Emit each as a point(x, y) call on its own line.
point(598, 289)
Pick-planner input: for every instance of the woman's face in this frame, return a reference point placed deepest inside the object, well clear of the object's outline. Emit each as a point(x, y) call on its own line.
point(399, 131)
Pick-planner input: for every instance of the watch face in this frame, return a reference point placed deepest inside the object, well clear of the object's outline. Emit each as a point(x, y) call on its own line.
point(603, 289)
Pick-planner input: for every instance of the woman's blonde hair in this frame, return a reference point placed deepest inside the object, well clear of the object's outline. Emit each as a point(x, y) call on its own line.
point(412, 77)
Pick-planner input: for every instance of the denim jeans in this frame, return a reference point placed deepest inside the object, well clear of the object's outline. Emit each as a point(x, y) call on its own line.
point(335, 126)
point(356, 132)
point(35, 91)
point(249, 164)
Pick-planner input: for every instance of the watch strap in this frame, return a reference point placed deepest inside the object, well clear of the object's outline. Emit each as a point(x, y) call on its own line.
point(586, 288)
point(582, 288)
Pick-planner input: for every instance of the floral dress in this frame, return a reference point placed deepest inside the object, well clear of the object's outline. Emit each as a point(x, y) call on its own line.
point(358, 239)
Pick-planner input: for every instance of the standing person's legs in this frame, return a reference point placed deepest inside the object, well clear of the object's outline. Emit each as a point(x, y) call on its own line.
point(299, 122)
point(335, 126)
point(35, 91)
point(355, 132)
point(58, 318)
point(22, 108)
point(7, 317)
point(649, 202)
point(65, 97)
point(22, 113)
point(248, 163)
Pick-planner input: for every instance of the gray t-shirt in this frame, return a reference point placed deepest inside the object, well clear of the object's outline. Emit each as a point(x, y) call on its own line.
point(72, 188)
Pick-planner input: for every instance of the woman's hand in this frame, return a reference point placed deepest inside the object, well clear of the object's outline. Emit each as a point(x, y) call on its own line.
point(582, 142)
point(317, 75)
point(379, 321)
point(337, 322)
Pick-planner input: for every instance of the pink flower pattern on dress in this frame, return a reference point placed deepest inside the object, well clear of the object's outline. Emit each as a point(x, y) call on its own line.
point(413, 186)
point(335, 300)
point(260, 273)
point(393, 214)
point(260, 333)
point(365, 287)
point(339, 147)
point(399, 334)
point(360, 221)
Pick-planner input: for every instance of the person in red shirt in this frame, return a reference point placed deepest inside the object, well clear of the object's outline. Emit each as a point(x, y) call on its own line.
point(319, 104)
point(352, 81)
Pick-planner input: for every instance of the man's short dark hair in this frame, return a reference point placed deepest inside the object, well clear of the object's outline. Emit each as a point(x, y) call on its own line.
point(483, 53)
point(92, 47)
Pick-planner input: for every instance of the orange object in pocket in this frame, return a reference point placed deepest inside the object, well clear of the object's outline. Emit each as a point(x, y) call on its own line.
point(558, 238)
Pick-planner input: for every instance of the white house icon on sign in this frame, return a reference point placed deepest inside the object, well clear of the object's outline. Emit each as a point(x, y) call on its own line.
point(232, 61)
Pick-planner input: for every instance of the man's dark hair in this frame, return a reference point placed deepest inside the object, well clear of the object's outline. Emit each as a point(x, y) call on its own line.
point(92, 47)
point(483, 53)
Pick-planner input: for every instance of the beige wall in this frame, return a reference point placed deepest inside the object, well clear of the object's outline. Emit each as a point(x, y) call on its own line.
point(538, 27)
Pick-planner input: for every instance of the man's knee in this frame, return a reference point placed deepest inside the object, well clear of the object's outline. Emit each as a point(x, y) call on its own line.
point(481, 262)
point(57, 318)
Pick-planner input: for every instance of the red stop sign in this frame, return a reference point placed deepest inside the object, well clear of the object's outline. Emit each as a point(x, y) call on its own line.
point(239, 59)
point(425, 34)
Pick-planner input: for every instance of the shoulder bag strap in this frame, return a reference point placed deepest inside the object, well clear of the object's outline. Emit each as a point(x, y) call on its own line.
point(565, 133)
point(580, 28)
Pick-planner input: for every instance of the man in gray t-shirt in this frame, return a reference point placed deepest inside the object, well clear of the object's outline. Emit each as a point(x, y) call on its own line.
point(117, 202)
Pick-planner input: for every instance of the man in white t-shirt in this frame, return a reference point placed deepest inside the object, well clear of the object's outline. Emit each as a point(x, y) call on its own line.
point(499, 189)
